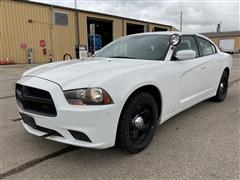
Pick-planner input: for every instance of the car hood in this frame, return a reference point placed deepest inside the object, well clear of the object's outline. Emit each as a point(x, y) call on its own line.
point(84, 73)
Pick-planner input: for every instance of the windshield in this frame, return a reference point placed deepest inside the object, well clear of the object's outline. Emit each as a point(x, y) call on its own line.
point(147, 47)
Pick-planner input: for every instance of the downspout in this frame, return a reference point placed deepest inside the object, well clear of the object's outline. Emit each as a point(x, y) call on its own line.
point(77, 24)
point(51, 35)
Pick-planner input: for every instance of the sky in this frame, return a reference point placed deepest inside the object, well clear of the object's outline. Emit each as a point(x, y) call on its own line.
point(198, 15)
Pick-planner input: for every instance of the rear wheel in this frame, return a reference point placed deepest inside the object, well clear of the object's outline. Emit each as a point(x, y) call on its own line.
point(222, 88)
point(137, 123)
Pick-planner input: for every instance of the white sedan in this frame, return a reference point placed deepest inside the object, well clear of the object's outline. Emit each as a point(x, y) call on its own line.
point(121, 94)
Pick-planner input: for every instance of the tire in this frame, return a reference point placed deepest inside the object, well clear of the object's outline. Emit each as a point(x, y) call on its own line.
point(137, 123)
point(222, 88)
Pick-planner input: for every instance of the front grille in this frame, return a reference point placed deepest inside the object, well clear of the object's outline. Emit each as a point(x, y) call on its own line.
point(35, 100)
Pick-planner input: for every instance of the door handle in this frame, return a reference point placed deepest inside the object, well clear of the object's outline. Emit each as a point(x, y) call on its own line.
point(204, 67)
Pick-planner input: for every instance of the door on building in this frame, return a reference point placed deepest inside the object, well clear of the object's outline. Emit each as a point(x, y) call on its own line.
point(135, 28)
point(227, 45)
point(103, 30)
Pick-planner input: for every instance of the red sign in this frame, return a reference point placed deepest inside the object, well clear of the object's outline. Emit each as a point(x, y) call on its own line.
point(42, 43)
point(23, 45)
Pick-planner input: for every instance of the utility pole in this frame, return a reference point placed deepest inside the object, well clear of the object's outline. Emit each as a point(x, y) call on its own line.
point(181, 17)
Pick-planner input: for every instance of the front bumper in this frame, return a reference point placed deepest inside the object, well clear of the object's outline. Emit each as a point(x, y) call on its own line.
point(98, 123)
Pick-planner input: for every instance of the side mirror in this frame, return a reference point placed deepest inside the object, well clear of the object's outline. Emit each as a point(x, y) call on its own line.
point(185, 54)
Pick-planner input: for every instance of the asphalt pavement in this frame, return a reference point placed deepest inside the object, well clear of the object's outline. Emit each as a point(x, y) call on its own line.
point(199, 143)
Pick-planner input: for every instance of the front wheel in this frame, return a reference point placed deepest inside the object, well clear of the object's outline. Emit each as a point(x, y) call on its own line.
point(222, 88)
point(137, 123)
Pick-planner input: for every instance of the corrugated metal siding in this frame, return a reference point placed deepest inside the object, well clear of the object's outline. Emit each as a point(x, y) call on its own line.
point(222, 34)
point(83, 34)
point(216, 41)
point(1, 28)
point(237, 41)
point(64, 37)
point(16, 29)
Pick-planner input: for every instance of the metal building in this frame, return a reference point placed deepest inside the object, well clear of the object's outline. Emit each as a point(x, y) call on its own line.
point(44, 31)
point(228, 41)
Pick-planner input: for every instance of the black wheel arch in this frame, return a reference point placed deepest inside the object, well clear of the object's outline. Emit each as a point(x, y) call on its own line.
point(152, 90)
point(227, 70)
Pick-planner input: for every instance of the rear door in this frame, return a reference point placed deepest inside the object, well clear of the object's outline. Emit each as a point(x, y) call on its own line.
point(214, 66)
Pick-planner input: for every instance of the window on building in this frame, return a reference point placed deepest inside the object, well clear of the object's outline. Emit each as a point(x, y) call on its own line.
point(61, 18)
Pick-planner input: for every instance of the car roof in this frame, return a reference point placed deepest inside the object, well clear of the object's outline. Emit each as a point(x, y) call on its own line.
point(167, 33)
point(171, 33)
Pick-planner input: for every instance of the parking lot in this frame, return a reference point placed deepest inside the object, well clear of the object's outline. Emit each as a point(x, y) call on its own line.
point(200, 143)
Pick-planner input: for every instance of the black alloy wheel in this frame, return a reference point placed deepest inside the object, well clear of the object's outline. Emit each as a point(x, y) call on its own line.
point(137, 123)
point(222, 88)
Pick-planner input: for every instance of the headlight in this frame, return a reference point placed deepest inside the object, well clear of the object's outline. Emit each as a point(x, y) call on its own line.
point(88, 96)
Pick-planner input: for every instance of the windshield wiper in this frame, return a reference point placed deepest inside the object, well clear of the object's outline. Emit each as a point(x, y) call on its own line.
point(126, 57)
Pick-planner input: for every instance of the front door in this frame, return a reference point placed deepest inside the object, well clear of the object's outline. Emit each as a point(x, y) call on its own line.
point(192, 73)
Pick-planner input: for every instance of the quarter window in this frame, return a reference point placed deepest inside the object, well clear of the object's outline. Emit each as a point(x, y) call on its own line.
point(206, 48)
point(214, 48)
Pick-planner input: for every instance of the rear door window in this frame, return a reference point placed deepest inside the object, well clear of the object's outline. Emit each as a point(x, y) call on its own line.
point(205, 47)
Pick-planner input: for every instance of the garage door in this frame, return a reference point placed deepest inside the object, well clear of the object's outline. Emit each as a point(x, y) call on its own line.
point(134, 28)
point(227, 45)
